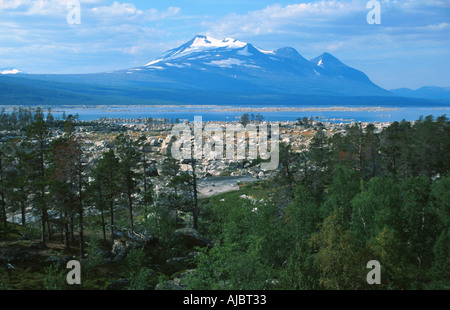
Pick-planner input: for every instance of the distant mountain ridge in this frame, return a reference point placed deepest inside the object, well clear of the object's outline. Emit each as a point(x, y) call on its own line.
point(427, 92)
point(205, 70)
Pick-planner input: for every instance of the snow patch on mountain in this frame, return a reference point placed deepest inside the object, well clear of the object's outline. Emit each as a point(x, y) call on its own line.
point(175, 65)
point(226, 63)
point(155, 67)
point(201, 43)
point(230, 62)
point(320, 63)
point(153, 62)
point(209, 42)
point(10, 71)
point(265, 52)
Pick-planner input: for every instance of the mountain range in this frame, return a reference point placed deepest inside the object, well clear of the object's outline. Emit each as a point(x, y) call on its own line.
point(428, 92)
point(205, 70)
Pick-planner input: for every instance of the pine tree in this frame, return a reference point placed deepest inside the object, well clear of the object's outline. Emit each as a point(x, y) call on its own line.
point(129, 160)
point(38, 134)
point(2, 188)
point(109, 184)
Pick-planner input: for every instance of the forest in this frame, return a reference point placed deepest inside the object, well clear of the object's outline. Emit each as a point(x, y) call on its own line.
point(339, 203)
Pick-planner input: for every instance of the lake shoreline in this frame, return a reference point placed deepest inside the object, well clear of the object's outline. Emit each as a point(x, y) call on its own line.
point(230, 113)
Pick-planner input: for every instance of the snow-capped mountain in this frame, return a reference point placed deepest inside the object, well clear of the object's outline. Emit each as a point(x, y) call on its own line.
point(206, 70)
point(207, 63)
point(203, 47)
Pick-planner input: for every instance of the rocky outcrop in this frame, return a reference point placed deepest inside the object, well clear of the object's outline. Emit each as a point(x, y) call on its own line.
point(191, 238)
point(177, 283)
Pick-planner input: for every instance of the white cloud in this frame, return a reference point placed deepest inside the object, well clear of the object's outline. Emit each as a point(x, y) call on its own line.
point(440, 26)
point(129, 11)
point(12, 4)
point(39, 7)
point(410, 4)
point(117, 9)
point(35, 34)
point(274, 18)
point(59, 7)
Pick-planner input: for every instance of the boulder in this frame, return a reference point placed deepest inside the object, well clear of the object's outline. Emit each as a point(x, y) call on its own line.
point(152, 170)
point(180, 263)
point(119, 250)
point(191, 238)
point(176, 283)
point(153, 141)
point(165, 146)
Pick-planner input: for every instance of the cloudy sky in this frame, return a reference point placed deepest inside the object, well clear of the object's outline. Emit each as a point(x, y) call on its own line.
point(410, 48)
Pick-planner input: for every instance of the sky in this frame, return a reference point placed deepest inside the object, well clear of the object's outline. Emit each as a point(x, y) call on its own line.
point(410, 47)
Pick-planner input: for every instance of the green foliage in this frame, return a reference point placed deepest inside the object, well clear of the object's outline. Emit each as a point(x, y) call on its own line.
point(94, 257)
point(250, 246)
point(344, 186)
point(141, 280)
point(135, 260)
point(161, 221)
point(302, 215)
point(231, 266)
point(54, 278)
point(440, 271)
point(338, 254)
point(300, 272)
point(419, 224)
point(375, 207)
point(139, 275)
point(387, 248)
point(245, 119)
point(440, 200)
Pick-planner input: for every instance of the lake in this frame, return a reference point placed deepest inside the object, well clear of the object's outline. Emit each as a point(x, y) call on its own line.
point(232, 113)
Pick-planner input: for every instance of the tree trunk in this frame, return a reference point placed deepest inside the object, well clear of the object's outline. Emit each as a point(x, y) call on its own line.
point(103, 225)
point(66, 232)
point(43, 222)
point(4, 216)
point(72, 227)
point(23, 212)
point(130, 206)
point(111, 209)
point(81, 232)
point(101, 208)
point(145, 171)
point(48, 226)
point(111, 221)
point(43, 205)
point(194, 184)
point(80, 211)
point(61, 227)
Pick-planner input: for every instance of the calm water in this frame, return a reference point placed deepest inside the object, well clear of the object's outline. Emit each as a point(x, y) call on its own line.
point(207, 114)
